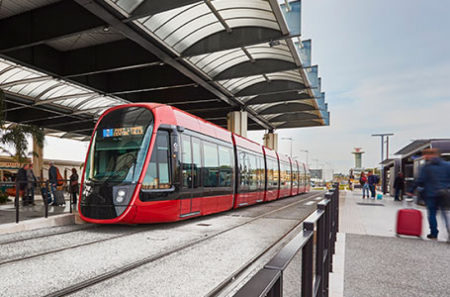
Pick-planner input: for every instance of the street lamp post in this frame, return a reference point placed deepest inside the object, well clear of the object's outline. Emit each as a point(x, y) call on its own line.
point(288, 138)
point(306, 151)
point(382, 135)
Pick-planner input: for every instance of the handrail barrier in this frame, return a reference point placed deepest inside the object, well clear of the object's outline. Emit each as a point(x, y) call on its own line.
point(38, 185)
point(324, 224)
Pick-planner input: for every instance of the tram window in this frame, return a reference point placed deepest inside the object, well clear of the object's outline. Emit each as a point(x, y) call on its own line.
point(197, 161)
point(187, 161)
point(276, 173)
point(158, 174)
point(242, 169)
point(269, 173)
point(211, 169)
point(253, 179)
point(225, 159)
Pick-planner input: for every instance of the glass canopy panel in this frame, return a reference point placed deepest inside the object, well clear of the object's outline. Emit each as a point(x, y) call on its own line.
point(4, 78)
point(4, 65)
point(190, 28)
point(276, 56)
point(17, 74)
point(182, 27)
point(249, 4)
point(249, 22)
point(214, 70)
point(188, 41)
point(128, 5)
point(25, 89)
point(41, 87)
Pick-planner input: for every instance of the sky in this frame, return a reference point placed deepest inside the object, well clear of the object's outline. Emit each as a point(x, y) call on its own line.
point(385, 67)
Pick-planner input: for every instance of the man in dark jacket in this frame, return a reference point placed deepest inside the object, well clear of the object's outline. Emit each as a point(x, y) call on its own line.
point(398, 186)
point(22, 179)
point(371, 179)
point(52, 177)
point(433, 177)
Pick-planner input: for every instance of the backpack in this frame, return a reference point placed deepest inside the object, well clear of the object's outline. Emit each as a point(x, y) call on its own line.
point(377, 179)
point(59, 177)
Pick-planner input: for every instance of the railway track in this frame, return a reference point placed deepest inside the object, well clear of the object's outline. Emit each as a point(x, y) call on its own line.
point(72, 246)
point(126, 268)
point(87, 227)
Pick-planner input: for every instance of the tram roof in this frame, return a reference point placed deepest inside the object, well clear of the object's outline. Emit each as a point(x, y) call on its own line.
point(64, 62)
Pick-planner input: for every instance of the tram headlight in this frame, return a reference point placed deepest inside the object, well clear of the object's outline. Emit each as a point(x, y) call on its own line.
point(121, 195)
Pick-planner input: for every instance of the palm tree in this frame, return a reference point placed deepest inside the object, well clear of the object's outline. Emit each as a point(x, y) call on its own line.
point(15, 135)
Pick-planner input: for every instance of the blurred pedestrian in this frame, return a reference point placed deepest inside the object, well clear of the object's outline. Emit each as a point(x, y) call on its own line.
point(364, 184)
point(31, 178)
point(52, 178)
point(372, 181)
point(22, 179)
point(74, 186)
point(398, 186)
point(434, 183)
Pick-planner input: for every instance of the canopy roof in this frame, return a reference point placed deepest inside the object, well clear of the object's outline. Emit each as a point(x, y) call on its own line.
point(64, 62)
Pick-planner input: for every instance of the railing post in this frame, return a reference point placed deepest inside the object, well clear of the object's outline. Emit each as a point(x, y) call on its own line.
point(17, 202)
point(336, 185)
point(46, 199)
point(307, 262)
point(70, 197)
point(329, 231)
point(320, 247)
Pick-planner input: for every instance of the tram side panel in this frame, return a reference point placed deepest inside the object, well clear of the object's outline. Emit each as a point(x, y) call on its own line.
point(272, 174)
point(285, 175)
point(250, 172)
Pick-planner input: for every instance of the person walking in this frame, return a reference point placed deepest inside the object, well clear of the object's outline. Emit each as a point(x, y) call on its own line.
point(31, 178)
point(372, 181)
point(74, 186)
point(365, 185)
point(434, 179)
point(22, 179)
point(52, 177)
point(398, 186)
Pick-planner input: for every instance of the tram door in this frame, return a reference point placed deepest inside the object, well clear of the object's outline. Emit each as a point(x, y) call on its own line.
point(192, 191)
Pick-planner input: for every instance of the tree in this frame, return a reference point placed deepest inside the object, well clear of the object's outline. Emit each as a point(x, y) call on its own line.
point(15, 135)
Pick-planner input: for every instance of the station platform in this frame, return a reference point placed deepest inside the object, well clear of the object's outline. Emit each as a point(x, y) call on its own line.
point(33, 217)
point(371, 260)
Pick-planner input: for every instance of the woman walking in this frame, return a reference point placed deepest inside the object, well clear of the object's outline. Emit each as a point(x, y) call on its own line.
point(365, 185)
point(74, 185)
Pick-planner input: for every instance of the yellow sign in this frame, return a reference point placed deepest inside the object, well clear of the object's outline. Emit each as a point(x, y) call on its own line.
point(128, 131)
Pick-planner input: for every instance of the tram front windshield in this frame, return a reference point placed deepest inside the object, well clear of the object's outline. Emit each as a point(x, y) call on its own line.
point(119, 146)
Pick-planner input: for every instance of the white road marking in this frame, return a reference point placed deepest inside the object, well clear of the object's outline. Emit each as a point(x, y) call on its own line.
point(310, 202)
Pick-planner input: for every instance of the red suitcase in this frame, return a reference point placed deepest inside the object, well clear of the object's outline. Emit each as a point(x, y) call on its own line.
point(409, 222)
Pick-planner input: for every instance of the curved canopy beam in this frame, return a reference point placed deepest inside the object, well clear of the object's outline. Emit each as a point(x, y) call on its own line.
point(312, 123)
point(279, 97)
point(270, 87)
point(295, 117)
point(262, 66)
point(287, 108)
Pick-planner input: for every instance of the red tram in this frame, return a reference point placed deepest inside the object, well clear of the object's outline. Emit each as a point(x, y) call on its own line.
point(150, 163)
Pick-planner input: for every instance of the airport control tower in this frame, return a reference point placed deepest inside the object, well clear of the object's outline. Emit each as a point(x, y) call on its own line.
point(358, 157)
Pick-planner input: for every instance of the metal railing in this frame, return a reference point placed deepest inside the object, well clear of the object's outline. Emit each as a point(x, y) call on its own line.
point(324, 223)
point(39, 186)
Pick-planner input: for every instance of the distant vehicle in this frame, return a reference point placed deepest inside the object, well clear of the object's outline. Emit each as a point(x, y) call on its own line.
point(150, 163)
